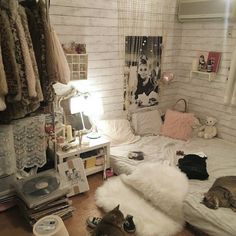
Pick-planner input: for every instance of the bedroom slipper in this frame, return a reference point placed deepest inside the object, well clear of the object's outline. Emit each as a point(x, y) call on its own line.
point(129, 225)
point(92, 221)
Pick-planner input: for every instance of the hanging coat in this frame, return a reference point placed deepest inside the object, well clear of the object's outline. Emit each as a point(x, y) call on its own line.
point(3, 83)
point(31, 51)
point(9, 59)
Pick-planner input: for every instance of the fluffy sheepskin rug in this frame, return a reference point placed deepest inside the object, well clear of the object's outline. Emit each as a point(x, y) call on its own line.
point(153, 194)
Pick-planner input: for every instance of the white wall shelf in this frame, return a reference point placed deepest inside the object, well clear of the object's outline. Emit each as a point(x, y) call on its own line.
point(78, 64)
point(211, 75)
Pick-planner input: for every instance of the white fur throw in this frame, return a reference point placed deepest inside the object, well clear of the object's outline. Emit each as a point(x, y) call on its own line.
point(153, 194)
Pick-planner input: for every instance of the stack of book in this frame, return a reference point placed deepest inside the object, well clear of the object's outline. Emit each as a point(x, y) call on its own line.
point(7, 193)
point(43, 194)
point(61, 207)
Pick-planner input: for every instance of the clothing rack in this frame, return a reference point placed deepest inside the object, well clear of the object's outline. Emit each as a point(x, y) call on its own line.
point(16, 5)
point(47, 2)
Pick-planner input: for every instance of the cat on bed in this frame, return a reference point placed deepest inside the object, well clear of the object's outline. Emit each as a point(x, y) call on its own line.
point(111, 224)
point(222, 193)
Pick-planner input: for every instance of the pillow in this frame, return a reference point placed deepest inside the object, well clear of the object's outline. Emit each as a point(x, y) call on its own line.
point(117, 131)
point(177, 125)
point(147, 122)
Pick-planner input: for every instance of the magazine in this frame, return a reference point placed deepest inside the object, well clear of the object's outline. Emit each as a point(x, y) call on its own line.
point(214, 60)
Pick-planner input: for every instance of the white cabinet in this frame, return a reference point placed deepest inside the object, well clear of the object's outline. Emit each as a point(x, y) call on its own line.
point(95, 154)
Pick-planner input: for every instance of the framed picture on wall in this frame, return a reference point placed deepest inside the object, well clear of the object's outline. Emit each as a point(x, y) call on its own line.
point(73, 172)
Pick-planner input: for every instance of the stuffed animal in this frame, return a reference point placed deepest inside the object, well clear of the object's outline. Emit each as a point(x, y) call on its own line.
point(209, 129)
point(196, 126)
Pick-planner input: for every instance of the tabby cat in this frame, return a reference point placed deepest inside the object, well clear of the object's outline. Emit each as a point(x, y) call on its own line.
point(222, 193)
point(111, 224)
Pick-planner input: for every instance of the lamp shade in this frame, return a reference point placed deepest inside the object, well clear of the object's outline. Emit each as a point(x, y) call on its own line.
point(78, 104)
point(94, 107)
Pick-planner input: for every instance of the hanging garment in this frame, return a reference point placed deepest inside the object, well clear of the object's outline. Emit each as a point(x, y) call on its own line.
point(12, 9)
point(9, 59)
point(31, 51)
point(29, 71)
point(30, 142)
point(7, 153)
point(26, 105)
point(3, 83)
point(52, 63)
point(36, 28)
point(63, 67)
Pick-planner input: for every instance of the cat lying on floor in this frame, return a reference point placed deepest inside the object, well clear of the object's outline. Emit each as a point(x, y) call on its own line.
point(222, 193)
point(111, 224)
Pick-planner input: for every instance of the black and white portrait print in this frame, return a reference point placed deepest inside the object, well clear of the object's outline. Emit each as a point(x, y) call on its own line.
point(142, 71)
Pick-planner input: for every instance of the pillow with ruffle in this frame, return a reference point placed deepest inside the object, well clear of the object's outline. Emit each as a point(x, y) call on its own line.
point(147, 122)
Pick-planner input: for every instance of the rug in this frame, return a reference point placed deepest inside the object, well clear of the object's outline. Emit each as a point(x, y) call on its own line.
point(152, 193)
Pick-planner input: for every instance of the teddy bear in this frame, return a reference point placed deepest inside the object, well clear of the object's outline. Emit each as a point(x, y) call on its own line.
point(196, 126)
point(208, 130)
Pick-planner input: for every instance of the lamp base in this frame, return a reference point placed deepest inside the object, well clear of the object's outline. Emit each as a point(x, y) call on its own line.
point(93, 135)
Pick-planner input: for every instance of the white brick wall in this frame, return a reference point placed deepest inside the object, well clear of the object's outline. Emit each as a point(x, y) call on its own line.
point(206, 98)
point(95, 23)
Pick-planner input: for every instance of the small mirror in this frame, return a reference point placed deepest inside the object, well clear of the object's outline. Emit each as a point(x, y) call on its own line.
point(75, 120)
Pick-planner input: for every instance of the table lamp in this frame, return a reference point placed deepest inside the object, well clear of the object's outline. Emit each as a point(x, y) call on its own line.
point(94, 110)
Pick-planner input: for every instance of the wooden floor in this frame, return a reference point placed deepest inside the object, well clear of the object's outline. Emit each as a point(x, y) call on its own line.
point(12, 223)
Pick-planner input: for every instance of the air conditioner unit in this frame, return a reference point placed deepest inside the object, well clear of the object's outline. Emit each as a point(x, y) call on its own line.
point(190, 10)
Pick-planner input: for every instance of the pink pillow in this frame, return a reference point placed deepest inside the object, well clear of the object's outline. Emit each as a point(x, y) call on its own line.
point(177, 125)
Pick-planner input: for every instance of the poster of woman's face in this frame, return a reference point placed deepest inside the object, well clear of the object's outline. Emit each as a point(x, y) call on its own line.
point(142, 71)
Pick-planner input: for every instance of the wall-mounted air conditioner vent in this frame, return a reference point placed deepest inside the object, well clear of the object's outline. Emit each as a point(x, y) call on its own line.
point(189, 10)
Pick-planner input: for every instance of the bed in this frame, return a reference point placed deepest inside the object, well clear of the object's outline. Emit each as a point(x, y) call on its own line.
point(145, 133)
point(221, 161)
point(142, 133)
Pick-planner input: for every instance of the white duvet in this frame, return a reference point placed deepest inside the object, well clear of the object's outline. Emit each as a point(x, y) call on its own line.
point(155, 148)
point(221, 162)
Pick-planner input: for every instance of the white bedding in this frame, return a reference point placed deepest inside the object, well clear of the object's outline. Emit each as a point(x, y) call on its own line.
point(155, 148)
point(221, 161)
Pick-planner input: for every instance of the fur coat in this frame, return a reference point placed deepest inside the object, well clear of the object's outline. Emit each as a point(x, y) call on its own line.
point(3, 83)
point(43, 47)
point(31, 51)
point(19, 100)
point(29, 71)
point(9, 59)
